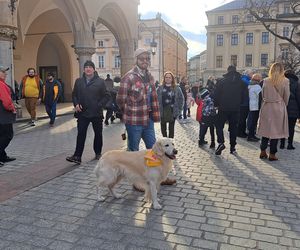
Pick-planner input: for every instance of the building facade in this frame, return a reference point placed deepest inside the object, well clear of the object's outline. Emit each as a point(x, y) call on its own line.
point(233, 37)
point(194, 69)
point(168, 49)
point(58, 36)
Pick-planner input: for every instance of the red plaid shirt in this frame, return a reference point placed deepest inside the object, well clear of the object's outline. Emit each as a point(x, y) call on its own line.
point(132, 99)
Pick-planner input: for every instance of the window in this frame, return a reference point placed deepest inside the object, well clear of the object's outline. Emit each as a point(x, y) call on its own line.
point(219, 61)
point(116, 43)
point(234, 39)
point(286, 31)
point(219, 40)
point(220, 19)
point(264, 37)
point(233, 60)
point(248, 62)
point(101, 61)
point(285, 53)
point(249, 38)
point(286, 8)
point(249, 18)
point(101, 43)
point(148, 40)
point(235, 19)
point(117, 61)
point(264, 59)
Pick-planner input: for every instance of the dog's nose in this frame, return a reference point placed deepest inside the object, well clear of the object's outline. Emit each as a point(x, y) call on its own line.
point(175, 151)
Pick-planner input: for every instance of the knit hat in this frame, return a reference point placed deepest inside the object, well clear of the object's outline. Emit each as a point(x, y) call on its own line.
point(3, 69)
point(89, 63)
point(140, 51)
point(204, 93)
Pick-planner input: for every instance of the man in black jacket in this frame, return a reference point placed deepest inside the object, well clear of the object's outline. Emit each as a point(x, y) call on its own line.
point(228, 96)
point(89, 97)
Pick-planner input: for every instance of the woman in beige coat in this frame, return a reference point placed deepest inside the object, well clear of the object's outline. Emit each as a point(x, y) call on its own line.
point(273, 118)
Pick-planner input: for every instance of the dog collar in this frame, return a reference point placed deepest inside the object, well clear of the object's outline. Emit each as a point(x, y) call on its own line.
point(151, 159)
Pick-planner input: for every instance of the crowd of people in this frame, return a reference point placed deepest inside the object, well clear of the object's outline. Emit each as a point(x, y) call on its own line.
point(252, 105)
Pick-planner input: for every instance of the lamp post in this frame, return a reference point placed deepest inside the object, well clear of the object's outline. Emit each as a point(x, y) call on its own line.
point(153, 44)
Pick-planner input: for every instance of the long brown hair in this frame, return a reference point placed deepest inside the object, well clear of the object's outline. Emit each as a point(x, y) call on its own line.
point(276, 73)
point(173, 78)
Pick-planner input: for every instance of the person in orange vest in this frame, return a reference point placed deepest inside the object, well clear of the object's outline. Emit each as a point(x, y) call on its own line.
point(7, 116)
point(31, 90)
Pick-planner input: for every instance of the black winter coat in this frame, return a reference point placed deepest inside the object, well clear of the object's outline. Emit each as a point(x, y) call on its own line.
point(229, 92)
point(92, 96)
point(293, 107)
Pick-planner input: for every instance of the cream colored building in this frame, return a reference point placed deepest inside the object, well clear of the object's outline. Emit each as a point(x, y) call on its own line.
point(194, 69)
point(170, 49)
point(52, 35)
point(234, 38)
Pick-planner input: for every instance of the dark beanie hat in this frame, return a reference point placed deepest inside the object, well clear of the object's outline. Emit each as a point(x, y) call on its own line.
point(89, 63)
point(204, 93)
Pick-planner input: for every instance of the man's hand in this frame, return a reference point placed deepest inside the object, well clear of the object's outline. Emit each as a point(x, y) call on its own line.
point(39, 101)
point(78, 108)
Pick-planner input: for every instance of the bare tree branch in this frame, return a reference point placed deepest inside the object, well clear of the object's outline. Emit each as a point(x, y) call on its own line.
point(262, 9)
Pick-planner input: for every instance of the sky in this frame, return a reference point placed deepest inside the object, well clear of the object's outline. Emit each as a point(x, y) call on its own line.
point(186, 16)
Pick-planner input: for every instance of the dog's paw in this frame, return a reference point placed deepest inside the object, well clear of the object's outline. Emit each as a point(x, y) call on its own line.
point(101, 198)
point(157, 206)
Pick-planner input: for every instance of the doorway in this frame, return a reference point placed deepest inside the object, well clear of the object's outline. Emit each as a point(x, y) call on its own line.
point(47, 69)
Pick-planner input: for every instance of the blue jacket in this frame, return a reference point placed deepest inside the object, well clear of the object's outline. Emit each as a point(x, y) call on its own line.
point(245, 100)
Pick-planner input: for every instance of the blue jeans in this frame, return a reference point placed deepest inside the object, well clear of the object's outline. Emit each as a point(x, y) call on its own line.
point(137, 132)
point(51, 111)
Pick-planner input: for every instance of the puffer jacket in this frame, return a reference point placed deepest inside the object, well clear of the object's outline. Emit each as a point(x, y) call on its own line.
point(293, 107)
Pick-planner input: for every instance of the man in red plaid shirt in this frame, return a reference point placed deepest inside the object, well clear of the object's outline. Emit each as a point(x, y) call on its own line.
point(137, 99)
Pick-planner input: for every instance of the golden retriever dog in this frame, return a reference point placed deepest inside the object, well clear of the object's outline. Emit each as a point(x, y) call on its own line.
point(117, 164)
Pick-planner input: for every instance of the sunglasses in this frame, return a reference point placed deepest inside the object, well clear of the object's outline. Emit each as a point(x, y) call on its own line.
point(144, 58)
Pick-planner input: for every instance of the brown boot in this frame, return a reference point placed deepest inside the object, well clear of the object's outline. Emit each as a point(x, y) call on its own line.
point(263, 154)
point(168, 181)
point(272, 157)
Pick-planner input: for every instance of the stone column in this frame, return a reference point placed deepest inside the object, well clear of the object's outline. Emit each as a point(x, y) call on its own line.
point(84, 54)
point(127, 55)
point(8, 33)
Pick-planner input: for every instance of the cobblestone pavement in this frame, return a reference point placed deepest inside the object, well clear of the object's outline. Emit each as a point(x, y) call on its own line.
point(226, 202)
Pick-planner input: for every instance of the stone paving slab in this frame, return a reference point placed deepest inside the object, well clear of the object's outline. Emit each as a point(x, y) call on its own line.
point(226, 202)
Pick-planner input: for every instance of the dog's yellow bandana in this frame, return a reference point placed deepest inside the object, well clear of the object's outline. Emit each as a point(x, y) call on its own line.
point(151, 159)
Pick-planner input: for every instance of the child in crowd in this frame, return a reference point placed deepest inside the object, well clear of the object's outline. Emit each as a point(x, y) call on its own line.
point(206, 118)
point(190, 101)
point(254, 92)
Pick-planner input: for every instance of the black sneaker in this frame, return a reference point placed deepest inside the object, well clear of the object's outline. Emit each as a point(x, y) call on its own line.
point(232, 150)
point(73, 158)
point(1, 164)
point(97, 156)
point(212, 145)
point(106, 123)
point(290, 147)
point(219, 149)
point(7, 159)
point(253, 139)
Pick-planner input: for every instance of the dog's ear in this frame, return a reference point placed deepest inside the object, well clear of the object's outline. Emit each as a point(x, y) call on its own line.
point(157, 148)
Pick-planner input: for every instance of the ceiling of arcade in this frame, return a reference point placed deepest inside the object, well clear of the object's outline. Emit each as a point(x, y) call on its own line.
point(77, 16)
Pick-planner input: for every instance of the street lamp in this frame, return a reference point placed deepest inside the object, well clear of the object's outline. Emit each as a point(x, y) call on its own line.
point(153, 44)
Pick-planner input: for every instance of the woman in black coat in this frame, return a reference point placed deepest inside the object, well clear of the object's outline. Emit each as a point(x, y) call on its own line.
point(293, 107)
